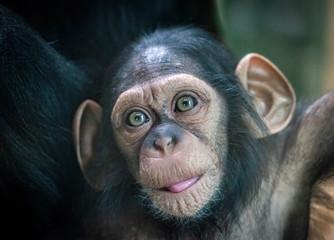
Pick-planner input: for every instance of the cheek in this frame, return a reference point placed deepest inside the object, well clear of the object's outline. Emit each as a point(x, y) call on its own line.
point(129, 139)
point(130, 151)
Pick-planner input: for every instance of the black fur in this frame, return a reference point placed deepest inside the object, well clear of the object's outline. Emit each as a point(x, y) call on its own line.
point(39, 90)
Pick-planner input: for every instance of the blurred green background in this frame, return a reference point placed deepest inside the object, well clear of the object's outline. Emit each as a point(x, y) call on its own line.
point(297, 35)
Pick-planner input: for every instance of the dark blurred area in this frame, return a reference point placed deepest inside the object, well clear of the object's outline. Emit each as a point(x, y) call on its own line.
point(297, 35)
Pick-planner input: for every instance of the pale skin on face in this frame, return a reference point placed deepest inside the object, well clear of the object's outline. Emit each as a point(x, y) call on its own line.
point(192, 157)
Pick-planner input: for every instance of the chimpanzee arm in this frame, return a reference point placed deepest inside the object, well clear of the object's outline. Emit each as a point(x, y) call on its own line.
point(317, 128)
point(39, 91)
point(311, 152)
point(306, 157)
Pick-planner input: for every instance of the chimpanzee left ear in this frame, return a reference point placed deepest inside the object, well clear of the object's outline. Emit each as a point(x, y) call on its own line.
point(273, 95)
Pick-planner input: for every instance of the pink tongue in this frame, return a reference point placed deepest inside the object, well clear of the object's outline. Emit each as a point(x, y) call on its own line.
point(179, 187)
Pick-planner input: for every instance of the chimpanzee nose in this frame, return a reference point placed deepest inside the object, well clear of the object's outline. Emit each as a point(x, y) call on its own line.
point(162, 143)
point(163, 138)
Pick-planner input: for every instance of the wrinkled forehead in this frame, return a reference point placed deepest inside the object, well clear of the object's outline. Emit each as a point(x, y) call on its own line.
point(155, 92)
point(167, 84)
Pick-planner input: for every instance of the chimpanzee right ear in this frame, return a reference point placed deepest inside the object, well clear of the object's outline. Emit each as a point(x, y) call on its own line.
point(86, 125)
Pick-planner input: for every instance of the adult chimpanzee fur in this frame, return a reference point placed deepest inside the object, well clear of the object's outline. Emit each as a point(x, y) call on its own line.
point(268, 183)
point(40, 90)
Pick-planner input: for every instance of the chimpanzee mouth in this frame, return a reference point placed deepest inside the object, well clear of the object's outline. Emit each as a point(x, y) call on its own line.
point(181, 186)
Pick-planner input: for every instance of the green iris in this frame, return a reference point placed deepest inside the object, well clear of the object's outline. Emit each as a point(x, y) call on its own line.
point(137, 118)
point(185, 103)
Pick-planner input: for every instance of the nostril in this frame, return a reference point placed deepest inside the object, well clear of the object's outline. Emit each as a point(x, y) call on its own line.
point(172, 141)
point(163, 143)
point(156, 144)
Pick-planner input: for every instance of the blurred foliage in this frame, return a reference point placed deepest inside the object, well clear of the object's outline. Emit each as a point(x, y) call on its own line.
point(288, 32)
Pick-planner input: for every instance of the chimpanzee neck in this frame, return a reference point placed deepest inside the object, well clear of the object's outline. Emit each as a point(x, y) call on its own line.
point(280, 211)
point(281, 208)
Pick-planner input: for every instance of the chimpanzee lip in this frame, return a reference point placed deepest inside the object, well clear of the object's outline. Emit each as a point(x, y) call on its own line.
point(182, 185)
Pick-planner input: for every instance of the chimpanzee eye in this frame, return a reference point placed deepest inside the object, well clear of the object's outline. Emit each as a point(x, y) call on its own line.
point(185, 103)
point(137, 118)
